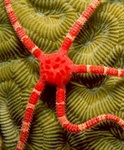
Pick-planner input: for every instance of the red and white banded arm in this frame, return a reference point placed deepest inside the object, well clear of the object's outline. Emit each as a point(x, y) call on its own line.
point(74, 30)
point(28, 114)
point(29, 44)
point(98, 70)
point(61, 114)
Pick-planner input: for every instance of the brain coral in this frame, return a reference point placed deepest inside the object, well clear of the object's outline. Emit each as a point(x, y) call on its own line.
point(100, 42)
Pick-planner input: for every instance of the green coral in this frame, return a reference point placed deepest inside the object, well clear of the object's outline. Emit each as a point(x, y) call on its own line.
point(101, 42)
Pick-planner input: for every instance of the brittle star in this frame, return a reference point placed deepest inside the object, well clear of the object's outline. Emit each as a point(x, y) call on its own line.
point(57, 69)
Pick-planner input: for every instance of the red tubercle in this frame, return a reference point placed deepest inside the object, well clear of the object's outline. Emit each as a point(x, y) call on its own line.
point(54, 66)
point(48, 67)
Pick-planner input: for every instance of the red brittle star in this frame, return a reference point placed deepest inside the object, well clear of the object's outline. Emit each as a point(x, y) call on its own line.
point(57, 69)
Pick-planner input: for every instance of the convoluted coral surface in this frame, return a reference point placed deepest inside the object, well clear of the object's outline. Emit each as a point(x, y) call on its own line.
point(101, 42)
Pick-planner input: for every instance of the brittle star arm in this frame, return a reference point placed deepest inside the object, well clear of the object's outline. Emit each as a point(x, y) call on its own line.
point(61, 114)
point(73, 32)
point(98, 70)
point(29, 44)
point(29, 113)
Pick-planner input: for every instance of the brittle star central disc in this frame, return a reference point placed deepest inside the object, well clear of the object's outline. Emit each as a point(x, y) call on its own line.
point(56, 69)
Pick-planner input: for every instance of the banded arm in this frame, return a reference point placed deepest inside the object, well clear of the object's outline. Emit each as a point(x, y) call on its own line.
point(61, 114)
point(73, 32)
point(98, 70)
point(29, 44)
point(29, 114)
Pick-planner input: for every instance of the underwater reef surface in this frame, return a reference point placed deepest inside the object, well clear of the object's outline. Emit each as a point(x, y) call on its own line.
point(100, 42)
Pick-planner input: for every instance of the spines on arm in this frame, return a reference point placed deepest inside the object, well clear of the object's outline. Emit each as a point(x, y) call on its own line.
point(29, 44)
point(98, 70)
point(28, 114)
point(74, 30)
